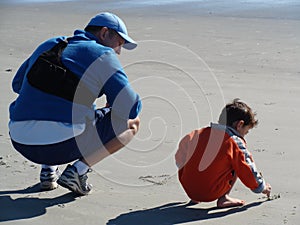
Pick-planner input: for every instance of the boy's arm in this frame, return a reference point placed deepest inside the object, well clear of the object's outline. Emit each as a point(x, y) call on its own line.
point(180, 155)
point(186, 148)
point(246, 170)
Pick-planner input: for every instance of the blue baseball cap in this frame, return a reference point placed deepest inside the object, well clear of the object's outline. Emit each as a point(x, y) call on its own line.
point(112, 21)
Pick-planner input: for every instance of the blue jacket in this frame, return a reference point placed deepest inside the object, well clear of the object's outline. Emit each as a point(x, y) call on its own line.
point(96, 65)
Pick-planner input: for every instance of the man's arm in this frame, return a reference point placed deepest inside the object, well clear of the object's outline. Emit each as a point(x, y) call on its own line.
point(19, 77)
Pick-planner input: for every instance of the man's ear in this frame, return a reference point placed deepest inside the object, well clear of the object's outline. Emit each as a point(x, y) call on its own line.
point(102, 33)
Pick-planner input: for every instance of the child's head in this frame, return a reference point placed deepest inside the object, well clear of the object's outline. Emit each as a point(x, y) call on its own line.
point(239, 116)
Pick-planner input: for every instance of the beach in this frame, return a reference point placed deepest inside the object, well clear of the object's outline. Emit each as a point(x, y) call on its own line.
point(193, 58)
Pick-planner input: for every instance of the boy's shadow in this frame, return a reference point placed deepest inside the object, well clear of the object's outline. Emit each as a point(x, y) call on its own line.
point(175, 213)
point(28, 206)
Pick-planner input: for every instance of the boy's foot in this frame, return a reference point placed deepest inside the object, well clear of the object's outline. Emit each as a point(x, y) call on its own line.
point(192, 203)
point(71, 180)
point(226, 202)
point(49, 179)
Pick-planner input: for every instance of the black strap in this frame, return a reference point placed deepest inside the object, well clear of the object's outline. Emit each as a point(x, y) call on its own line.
point(49, 75)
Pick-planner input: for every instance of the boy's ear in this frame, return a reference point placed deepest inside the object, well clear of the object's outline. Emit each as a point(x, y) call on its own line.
point(240, 124)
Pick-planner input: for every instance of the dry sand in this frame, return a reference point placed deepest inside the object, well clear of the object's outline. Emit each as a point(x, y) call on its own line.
point(191, 60)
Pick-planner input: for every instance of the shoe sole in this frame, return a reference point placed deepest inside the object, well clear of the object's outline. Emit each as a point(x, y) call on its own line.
point(48, 185)
point(72, 186)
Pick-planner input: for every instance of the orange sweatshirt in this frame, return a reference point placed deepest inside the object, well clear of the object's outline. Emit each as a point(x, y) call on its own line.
point(209, 158)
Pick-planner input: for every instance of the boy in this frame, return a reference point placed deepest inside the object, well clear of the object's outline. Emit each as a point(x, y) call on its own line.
point(212, 158)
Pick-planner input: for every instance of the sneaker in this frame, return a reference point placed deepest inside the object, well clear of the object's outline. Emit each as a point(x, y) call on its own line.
point(71, 180)
point(49, 179)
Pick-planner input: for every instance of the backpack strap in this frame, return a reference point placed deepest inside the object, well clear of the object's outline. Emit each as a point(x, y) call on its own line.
point(49, 75)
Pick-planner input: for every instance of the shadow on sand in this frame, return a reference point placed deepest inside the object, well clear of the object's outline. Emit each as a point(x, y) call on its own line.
point(28, 206)
point(175, 213)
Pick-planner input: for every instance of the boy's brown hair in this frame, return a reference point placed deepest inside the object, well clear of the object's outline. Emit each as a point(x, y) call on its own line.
point(236, 111)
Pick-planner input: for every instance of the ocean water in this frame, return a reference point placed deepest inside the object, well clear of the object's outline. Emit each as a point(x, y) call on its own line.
point(284, 9)
point(132, 3)
point(31, 1)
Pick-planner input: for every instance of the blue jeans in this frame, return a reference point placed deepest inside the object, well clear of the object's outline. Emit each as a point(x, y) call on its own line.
point(93, 138)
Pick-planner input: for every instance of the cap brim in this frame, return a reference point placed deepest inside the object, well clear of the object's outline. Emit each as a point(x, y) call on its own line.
point(129, 42)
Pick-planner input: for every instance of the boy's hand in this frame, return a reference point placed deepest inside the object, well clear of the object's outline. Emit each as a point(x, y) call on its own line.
point(267, 190)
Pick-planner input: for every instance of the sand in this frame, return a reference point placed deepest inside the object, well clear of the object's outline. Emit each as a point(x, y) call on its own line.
point(191, 60)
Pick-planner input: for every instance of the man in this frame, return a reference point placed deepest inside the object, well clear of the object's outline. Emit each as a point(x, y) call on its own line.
point(54, 121)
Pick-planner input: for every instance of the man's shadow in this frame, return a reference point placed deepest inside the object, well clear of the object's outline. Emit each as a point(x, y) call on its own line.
point(28, 206)
point(175, 213)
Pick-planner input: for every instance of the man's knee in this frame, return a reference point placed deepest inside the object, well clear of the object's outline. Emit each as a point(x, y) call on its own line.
point(134, 125)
